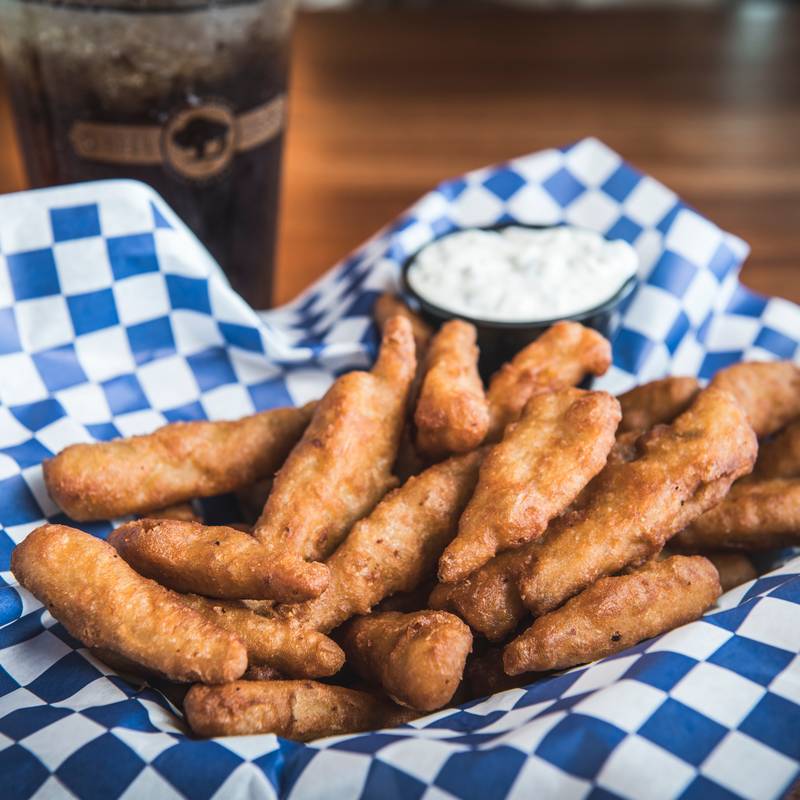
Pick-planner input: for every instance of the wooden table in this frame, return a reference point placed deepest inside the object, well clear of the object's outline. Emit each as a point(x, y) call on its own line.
point(385, 104)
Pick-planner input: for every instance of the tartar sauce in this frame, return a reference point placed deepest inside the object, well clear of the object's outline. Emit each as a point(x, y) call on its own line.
point(518, 274)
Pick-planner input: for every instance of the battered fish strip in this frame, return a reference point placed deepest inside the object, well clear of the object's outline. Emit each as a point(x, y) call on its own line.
point(418, 659)
point(543, 462)
point(395, 548)
point(271, 642)
point(769, 392)
point(627, 514)
point(216, 561)
point(299, 710)
point(757, 515)
point(656, 403)
point(452, 414)
point(174, 464)
point(734, 569)
point(780, 457)
point(388, 306)
point(685, 469)
point(342, 466)
point(101, 601)
point(616, 613)
point(488, 600)
point(562, 356)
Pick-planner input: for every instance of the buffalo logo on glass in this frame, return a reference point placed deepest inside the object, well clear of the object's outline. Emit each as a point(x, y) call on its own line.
point(199, 142)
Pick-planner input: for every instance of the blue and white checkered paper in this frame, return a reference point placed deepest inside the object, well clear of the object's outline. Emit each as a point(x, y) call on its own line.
point(114, 320)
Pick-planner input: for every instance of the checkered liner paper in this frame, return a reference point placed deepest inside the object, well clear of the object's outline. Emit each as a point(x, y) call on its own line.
point(114, 320)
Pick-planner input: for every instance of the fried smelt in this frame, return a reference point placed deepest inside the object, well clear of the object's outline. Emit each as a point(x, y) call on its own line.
point(274, 646)
point(418, 659)
point(180, 511)
point(174, 464)
point(488, 600)
point(685, 469)
point(452, 414)
point(627, 514)
point(101, 601)
point(757, 515)
point(542, 463)
point(734, 569)
point(656, 403)
point(293, 651)
point(562, 356)
point(299, 710)
point(769, 392)
point(396, 547)
point(616, 613)
point(216, 561)
point(780, 457)
point(342, 466)
point(389, 305)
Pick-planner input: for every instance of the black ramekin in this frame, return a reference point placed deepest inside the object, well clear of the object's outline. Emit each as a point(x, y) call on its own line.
point(500, 341)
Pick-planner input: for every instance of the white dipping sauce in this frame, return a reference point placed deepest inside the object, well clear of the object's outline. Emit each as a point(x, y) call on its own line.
point(518, 274)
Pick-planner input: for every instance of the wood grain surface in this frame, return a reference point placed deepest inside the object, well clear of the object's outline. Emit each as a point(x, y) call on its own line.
point(385, 104)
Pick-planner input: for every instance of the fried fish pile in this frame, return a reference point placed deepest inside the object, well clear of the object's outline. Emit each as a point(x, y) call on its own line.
point(435, 539)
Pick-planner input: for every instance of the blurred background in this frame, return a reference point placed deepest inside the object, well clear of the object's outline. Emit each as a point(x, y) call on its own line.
point(388, 97)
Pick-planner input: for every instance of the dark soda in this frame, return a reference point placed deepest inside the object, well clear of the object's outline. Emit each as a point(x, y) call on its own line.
point(186, 96)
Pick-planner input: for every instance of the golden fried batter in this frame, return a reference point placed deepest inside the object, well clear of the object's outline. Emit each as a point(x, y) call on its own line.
point(452, 414)
point(756, 515)
point(388, 306)
point(768, 391)
point(396, 547)
point(616, 613)
point(559, 444)
point(734, 568)
point(656, 403)
point(780, 457)
point(418, 659)
point(101, 601)
point(562, 356)
point(174, 464)
point(300, 710)
point(627, 514)
point(685, 469)
point(216, 561)
point(342, 466)
point(294, 651)
point(488, 600)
